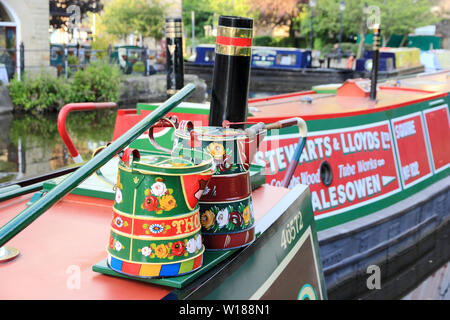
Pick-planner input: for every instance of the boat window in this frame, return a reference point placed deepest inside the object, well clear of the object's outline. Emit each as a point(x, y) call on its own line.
point(286, 59)
point(4, 16)
point(209, 56)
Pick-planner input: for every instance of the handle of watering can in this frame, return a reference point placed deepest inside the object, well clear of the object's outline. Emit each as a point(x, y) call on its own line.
point(255, 129)
point(125, 155)
point(165, 122)
point(303, 130)
point(184, 125)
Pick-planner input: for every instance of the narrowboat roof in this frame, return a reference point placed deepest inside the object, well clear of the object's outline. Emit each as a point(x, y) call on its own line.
point(79, 226)
point(257, 47)
point(280, 48)
point(437, 81)
point(206, 45)
point(311, 105)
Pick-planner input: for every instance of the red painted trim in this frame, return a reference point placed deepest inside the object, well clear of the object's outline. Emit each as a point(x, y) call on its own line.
point(135, 227)
point(198, 262)
point(229, 240)
point(126, 111)
point(281, 96)
point(229, 41)
point(228, 188)
point(130, 151)
point(76, 107)
point(131, 268)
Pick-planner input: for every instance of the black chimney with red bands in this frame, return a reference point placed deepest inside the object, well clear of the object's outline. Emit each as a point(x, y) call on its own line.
point(231, 77)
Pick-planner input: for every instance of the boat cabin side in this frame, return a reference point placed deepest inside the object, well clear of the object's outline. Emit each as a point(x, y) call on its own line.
point(263, 57)
point(358, 155)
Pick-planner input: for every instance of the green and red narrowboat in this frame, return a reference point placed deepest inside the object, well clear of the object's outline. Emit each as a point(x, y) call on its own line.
point(378, 173)
point(370, 186)
point(261, 233)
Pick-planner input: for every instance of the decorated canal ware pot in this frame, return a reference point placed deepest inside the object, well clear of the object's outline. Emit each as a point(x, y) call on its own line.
point(156, 229)
point(226, 209)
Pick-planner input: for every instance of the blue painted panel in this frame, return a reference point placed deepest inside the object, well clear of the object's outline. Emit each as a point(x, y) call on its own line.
point(116, 264)
point(169, 269)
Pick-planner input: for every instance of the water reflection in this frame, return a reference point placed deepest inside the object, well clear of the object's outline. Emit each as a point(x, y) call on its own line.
point(31, 145)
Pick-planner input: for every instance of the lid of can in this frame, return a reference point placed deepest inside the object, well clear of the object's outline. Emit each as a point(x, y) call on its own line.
point(183, 161)
point(212, 133)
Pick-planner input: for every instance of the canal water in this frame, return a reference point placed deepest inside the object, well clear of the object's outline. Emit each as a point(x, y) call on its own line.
point(31, 145)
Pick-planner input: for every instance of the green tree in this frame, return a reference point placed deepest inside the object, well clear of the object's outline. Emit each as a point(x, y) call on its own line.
point(123, 17)
point(279, 13)
point(205, 9)
point(397, 17)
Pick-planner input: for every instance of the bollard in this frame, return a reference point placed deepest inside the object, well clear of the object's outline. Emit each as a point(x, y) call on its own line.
point(174, 55)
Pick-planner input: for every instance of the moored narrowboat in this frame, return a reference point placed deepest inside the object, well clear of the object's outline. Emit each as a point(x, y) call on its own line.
point(367, 186)
point(392, 62)
point(269, 65)
point(284, 70)
point(378, 174)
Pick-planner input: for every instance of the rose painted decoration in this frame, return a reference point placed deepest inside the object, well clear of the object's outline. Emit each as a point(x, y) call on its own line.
point(230, 217)
point(159, 198)
point(156, 221)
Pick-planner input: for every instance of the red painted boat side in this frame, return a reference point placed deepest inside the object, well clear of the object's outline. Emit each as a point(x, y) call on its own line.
point(67, 241)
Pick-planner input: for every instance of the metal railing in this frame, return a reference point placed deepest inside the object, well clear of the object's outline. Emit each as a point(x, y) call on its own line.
point(67, 59)
point(31, 213)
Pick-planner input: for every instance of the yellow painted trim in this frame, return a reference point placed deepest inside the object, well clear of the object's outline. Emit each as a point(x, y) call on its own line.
point(174, 23)
point(229, 50)
point(151, 238)
point(158, 263)
point(243, 136)
point(150, 270)
point(233, 32)
point(203, 163)
point(174, 35)
point(203, 172)
point(172, 91)
point(132, 222)
point(155, 218)
point(215, 202)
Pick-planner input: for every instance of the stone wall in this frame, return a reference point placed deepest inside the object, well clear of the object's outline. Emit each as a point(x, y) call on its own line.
point(153, 89)
point(32, 18)
point(6, 105)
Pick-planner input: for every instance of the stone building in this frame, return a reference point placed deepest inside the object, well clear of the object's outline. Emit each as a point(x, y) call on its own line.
point(27, 22)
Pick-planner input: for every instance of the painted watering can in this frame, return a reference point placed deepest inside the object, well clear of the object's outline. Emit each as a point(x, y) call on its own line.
point(226, 209)
point(156, 229)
